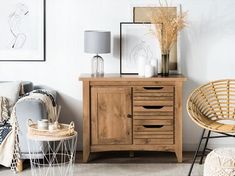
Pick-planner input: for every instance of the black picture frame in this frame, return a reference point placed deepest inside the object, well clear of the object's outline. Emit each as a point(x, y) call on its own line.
point(44, 41)
point(121, 52)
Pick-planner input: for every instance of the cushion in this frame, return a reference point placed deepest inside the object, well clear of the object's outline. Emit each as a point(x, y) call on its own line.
point(10, 90)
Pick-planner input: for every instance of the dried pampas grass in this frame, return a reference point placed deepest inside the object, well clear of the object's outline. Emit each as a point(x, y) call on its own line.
point(167, 26)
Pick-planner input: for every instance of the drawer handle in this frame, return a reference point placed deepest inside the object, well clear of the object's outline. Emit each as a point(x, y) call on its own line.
point(153, 88)
point(153, 126)
point(153, 107)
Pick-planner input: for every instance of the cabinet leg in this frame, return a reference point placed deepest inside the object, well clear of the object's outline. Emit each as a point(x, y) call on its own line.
point(179, 156)
point(86, 156)
point(19, 167)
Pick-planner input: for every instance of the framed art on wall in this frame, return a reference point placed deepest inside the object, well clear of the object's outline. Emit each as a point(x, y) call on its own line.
point(23, 30)
point(143, 15)
point(137, 40)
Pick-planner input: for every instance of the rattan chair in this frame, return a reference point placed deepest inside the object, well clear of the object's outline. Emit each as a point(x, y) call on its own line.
point(212, 107)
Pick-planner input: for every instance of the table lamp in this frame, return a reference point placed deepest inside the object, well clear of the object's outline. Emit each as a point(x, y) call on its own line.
point(97, 42)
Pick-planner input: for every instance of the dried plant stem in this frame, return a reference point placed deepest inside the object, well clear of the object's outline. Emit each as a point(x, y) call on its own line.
point(167, 25)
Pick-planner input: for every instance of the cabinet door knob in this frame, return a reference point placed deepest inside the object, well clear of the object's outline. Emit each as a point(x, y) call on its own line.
point(129, 115)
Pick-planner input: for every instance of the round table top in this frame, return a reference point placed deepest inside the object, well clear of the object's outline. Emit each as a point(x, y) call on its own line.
point(50, 138)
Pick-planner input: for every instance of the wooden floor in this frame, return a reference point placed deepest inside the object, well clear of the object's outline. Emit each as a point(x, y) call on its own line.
point(139, 157)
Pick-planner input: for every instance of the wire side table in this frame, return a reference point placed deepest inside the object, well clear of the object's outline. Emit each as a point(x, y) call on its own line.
point(52, 156)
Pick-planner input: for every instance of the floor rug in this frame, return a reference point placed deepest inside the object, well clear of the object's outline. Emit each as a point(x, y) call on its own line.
point(180, 169)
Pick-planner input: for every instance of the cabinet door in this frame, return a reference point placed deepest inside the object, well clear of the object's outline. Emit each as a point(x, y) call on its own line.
point(110, 115)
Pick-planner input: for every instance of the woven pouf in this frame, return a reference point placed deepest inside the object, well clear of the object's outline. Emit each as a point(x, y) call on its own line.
point(220, 162)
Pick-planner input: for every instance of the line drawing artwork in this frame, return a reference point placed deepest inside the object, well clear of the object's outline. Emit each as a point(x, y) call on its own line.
point(140, 49)
point(15, 21)
point(138, 42)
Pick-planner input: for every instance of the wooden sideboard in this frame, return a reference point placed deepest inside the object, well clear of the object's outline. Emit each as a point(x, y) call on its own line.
point(130, 113)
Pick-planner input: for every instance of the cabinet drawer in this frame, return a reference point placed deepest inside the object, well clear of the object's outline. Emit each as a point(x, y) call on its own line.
point(152, 125)
point(149, 134)
point(153, 89)
point(153, 103)
point(155, 95)
point(147, 108)
point(152, 117)
point(153, 128)
point(150, 97)
point(153, 132)
point(153, 122)
point(158, 113)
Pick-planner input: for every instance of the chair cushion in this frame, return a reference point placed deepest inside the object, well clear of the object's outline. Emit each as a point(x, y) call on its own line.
point(10, 90)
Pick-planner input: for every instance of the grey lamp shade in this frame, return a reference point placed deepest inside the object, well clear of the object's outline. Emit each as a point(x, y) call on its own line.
point(97, 42)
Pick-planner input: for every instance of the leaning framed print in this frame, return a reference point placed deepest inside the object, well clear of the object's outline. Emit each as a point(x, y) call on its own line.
point(23, 30)
point(143, 15)
point(137, 40)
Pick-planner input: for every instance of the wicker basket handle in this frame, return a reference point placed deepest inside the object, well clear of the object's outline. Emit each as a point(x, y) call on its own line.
point(30, 122)
point(71, 125)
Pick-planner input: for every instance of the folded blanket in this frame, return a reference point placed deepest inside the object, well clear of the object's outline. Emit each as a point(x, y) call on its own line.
point(4, 113)
point(6, 134)
point(9, 94)
point(46, 98)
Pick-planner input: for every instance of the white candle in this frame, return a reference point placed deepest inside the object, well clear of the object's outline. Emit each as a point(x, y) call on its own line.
point(149, 71)
point(141, 65)
point(154, 64)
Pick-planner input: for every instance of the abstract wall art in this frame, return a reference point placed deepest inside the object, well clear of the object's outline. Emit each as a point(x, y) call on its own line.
point(22, 32)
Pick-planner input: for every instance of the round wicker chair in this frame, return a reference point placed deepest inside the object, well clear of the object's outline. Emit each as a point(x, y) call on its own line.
point(212, 107)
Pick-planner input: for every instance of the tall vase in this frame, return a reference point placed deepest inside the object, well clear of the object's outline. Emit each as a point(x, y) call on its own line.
point(165, 64)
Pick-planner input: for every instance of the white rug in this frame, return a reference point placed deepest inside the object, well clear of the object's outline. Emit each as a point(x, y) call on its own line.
point(124, 170)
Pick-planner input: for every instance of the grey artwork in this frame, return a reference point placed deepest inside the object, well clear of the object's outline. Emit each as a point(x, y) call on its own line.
point(16, 19)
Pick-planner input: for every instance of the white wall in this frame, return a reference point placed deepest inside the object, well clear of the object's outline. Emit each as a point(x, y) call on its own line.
point(207, 49)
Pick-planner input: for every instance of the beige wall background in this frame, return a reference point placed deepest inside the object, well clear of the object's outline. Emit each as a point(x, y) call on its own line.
point(206, 50)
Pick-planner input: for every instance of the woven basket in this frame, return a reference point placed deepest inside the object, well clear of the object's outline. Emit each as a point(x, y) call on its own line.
point(64, 130)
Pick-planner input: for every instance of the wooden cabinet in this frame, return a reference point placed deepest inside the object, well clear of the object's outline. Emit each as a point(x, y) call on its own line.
point(129, 113)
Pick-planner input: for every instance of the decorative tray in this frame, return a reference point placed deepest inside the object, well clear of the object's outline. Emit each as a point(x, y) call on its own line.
point(64, 130)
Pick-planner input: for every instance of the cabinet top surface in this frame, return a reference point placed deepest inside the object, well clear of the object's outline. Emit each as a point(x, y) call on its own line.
point(118, 77)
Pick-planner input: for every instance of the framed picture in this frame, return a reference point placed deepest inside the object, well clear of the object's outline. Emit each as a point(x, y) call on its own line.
point(143, 15)
point(23, 30)
point(137, 40)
